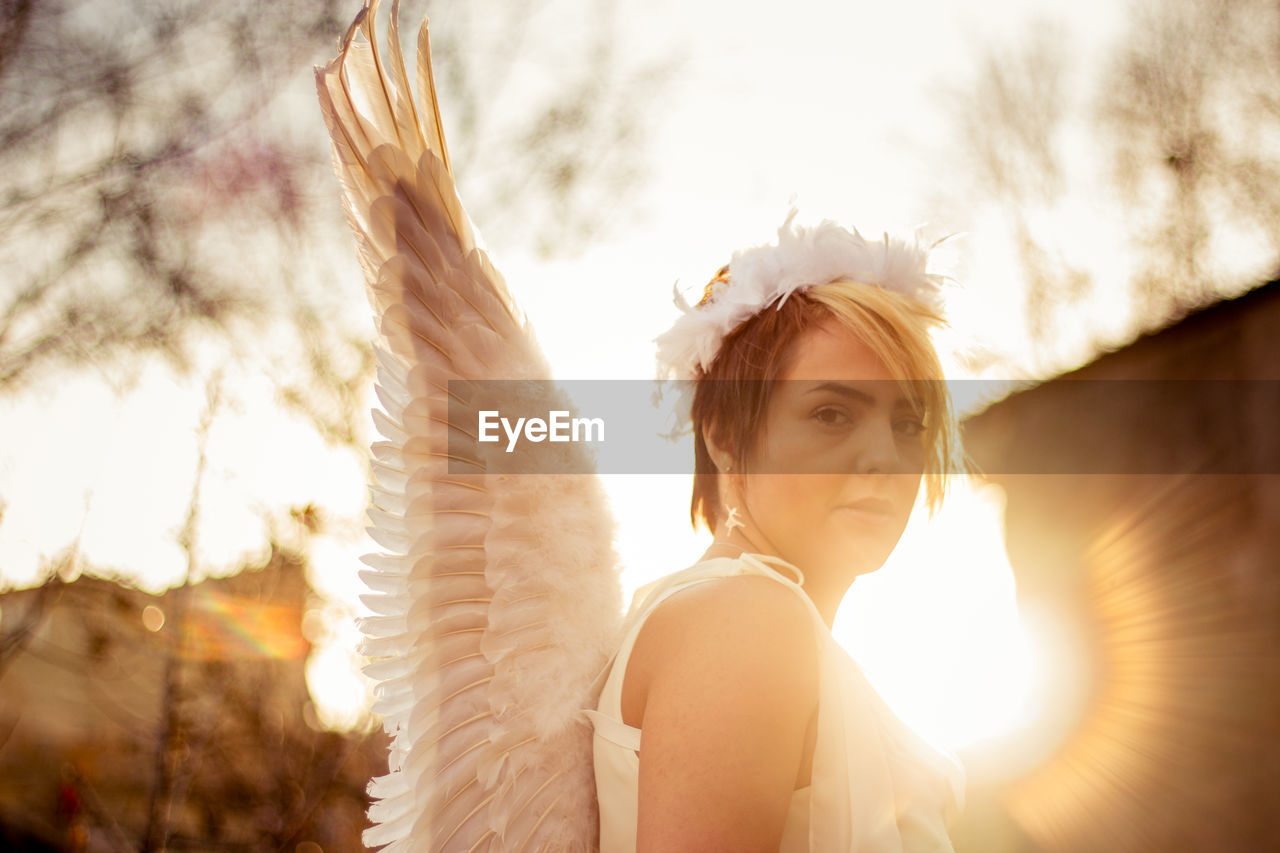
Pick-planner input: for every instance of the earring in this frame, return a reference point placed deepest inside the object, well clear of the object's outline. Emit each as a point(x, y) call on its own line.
point(733, 521)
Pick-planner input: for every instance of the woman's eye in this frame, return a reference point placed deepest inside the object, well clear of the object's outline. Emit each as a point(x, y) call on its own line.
point(911, 427)
point(830, 416)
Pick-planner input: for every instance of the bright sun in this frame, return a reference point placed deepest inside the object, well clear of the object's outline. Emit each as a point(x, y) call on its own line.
point(937, 629)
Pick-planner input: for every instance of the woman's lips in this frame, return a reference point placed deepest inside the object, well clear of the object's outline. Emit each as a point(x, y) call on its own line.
point(872, 509)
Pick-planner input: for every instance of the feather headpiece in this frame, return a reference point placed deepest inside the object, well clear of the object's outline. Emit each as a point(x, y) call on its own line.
point(766, 275)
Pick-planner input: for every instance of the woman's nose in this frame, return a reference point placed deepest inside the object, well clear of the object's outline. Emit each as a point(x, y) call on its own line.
point(877, 451)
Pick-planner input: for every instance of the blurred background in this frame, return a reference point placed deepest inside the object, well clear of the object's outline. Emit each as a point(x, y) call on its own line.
point(186, 374)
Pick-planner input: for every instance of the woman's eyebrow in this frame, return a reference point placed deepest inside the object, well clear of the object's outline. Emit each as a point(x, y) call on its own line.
point(844, 390)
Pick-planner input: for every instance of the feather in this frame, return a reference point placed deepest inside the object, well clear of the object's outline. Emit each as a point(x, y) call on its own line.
point(496, 599)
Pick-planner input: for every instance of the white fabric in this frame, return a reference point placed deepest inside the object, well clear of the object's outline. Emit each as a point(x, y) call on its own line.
point(876, 786)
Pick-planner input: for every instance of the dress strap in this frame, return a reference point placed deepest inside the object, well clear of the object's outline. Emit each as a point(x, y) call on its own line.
point(614, 731)
point(762, 561)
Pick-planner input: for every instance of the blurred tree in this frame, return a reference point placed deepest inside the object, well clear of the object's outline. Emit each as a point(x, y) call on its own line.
point(166, 172)
point(138, 722)
point(182, 722)
point(167, 192)
point(1010, 130)
point(1182, 116)
point(1191, 111)
point(166, 188)
point(554, 168)
point(139, 147)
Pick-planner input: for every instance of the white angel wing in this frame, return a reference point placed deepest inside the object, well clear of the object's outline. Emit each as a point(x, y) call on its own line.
point(497, 597)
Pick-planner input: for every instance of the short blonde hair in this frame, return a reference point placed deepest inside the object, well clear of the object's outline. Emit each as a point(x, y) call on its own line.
point(732, 396)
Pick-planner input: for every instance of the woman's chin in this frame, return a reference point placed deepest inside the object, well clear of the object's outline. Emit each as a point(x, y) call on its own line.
point(854, 558)
point(864, 548)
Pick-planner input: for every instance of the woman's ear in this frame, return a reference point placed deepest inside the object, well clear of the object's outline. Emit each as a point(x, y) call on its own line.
point(721, 458)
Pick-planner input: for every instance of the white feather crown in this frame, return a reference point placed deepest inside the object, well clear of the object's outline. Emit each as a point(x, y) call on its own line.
point(766, 275)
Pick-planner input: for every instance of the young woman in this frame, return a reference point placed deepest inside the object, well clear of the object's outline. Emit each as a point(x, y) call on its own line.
point(730, 720)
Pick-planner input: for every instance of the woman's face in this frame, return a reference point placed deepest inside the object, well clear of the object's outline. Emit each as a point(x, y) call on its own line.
point(835, 470)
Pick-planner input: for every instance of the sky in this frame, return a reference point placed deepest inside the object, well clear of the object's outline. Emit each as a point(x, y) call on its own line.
point(835, 107)
point(838, 108)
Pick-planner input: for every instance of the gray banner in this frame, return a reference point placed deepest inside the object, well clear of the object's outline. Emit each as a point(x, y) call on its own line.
point(1059, 427)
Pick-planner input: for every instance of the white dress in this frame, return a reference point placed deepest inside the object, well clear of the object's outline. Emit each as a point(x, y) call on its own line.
point(876, 786)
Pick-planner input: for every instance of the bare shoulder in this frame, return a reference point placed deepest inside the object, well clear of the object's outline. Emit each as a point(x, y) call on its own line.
point(731, 636)
point(749, 608)
point(723, 682)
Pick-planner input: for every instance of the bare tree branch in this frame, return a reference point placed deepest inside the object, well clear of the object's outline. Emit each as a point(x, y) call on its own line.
point(175, 724)
point(155, 175)
point(1185, 114)
point(1180, 113)
point(13, 642)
